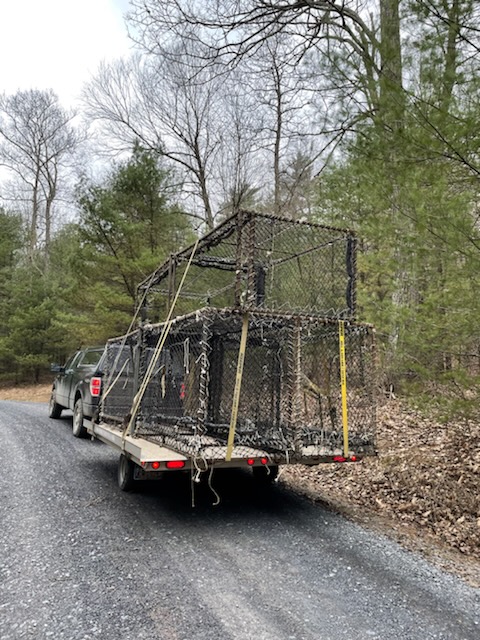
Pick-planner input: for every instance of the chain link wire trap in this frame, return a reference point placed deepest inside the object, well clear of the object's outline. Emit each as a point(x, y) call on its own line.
point(265, 262)
point(296, 282)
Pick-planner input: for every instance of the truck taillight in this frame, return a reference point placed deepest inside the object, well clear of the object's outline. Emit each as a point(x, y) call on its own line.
point(95, 387)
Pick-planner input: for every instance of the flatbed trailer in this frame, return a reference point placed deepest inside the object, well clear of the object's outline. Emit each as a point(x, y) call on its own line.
point(148, 459)
point(145, 459)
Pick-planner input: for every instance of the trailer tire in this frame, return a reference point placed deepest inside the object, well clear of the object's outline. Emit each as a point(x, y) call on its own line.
point(54, 409)
point(126, 469)
point(265, 475)
point(78, 429)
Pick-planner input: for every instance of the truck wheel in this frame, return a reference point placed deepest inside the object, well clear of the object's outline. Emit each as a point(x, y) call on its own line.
point(126, 467)
point(265, 475)
point(79, 430)
point(54, 409)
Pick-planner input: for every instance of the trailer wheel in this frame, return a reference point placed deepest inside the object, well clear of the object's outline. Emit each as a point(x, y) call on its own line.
point(265, 475)
point(54, 409)
point(126, 467)
point(79, 430)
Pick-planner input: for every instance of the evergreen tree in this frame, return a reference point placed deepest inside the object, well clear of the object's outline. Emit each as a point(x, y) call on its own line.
point(10, 245)
point(419, 263)
point(129, 225)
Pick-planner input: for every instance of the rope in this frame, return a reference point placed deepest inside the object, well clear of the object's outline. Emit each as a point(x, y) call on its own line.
point(158, 349)
point(217, 497)
point(115, 381)
point(109, 383)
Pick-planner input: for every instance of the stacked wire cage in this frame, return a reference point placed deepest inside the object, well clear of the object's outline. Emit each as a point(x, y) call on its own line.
point(286, 286)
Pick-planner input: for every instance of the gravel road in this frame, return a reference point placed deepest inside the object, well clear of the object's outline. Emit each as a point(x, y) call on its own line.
point(81, 560)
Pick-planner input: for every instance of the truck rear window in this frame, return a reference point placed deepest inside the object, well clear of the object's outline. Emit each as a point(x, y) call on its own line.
point(91, 358)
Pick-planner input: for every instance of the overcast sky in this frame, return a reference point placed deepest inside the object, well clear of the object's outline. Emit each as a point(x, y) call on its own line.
point(57, 44)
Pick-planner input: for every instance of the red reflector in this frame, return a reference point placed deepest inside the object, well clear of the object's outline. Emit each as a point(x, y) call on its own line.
point(264, 460)
point(353, 458)
point(250, 461)
point(175, 464)
point(155, 465)
point(95, 386)
point(339, 459)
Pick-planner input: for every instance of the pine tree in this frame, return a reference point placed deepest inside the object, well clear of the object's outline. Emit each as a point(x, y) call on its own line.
point(129, 225)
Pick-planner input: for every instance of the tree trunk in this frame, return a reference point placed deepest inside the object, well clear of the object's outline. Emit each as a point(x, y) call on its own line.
point(278, 139)
point(450, 68)
point(33, 235)
point(50, 195)
point(392, 103)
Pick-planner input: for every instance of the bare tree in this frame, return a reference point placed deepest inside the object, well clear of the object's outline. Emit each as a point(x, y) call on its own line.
point(292, 121)
point(297, 184)
point(238, 28)
point(181, 98)
point(318, 67)
point(240, 172)
point(348, 35)
point(36, 140)
point(152, 99)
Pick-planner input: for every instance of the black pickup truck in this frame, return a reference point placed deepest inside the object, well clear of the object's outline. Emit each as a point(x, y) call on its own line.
point(77, 386)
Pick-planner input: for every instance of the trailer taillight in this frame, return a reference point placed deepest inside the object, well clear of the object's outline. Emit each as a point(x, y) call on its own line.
point(95, 387)
point(155, 465)
point(251, 461)
point(343, 459)
point(175, 464)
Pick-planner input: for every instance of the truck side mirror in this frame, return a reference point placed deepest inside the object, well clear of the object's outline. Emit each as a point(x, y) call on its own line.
point(57, 368)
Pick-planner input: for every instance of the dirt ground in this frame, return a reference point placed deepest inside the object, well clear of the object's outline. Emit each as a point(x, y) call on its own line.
point(27, 393)
point(423, 488)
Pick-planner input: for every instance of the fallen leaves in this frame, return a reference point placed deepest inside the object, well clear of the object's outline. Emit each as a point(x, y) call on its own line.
point(27, 393)
point(426, 477)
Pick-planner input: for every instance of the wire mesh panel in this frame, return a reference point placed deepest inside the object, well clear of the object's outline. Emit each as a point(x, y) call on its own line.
point(259, 261)
point(119, 378)
point(290, 402)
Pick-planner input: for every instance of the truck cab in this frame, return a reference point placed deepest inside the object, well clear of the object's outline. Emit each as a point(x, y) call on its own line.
point(77, 387)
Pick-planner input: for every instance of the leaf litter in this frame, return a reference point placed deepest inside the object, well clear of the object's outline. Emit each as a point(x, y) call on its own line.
point(423, 487)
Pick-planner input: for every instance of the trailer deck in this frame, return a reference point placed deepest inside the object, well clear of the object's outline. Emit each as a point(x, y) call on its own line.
point(152, 455)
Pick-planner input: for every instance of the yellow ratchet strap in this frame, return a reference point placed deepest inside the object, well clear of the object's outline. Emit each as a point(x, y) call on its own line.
point(238, 386)
point(343, 382)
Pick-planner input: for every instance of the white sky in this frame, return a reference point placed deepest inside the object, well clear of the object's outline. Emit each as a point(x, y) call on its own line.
point(58, 44)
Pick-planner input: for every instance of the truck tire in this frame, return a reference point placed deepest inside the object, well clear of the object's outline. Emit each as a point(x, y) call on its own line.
point(126, 467)
point(54, 409)
point(78, 429)
point(265, 475)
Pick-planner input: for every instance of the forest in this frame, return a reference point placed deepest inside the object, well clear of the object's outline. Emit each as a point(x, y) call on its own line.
point(360, 114)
